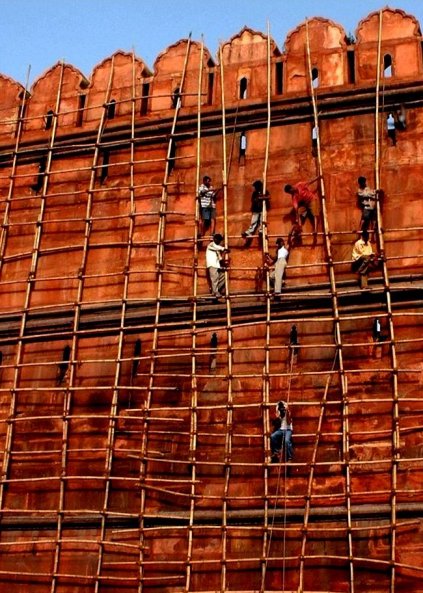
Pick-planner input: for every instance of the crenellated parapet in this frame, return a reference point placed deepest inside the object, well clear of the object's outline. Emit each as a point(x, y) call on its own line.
point(123, 80)
point(401, 50)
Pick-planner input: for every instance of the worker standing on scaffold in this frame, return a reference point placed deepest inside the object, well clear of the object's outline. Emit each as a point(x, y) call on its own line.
point(257, 199)
point(304, 202)
point(281, 437)
point(207, 196)
point(215, 264)
point(280, 261)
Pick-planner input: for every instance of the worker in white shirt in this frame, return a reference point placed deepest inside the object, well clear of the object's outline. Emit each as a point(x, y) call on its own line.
point(214, 257)
point(280, 260)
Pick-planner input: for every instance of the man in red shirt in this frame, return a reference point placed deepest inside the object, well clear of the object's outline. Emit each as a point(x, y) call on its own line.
point(304, 203)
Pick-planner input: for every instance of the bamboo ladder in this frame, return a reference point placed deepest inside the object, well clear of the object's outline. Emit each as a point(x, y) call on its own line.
point(6, 217)
point(194, 385)
point(164, 197)
point(267, 531)
point(156, 327)
point(29, 289)
point(68, 391)
point(394, 371)
point(229, 334)
point(119, 359)
point(337, 335)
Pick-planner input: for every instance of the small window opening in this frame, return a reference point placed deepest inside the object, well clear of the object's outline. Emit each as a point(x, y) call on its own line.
point(136, 357)
point(80, 113)
point(242, 146)
point(63, 366)
point(279, 77)
point(49, 119)
point(351, 66)
point(104, 170)
point(315, 78)
point(210, 88)
point(145, 91)
point(243, 85)
point(172, 156)
point(111, 109)
point(314, 135)
point(42, 165)
point(387, 66)
point(176, 97)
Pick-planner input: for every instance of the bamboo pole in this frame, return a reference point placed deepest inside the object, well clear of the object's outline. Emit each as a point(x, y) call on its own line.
point(164, 196)
point(193, 431)
point(68, 391)
point(336, 319)
point(394, 371)
point(229, 338)
point(28, 291)
point(266, 370)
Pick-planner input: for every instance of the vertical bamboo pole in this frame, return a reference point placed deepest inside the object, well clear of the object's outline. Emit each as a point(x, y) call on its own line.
point(395, 395)
point(336, 319)
point(67, 397)
point(266, 370)
point(164, 196)
point(194, 386)
point(5, 226)
point(311, 477)
point(118, 370)
point(229, 409)
point(155, 340)
point(27, 300)
point(30, 284)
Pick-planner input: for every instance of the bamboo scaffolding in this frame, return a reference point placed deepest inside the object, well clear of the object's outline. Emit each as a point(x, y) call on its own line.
point(159, 264)
point(394, 374)
point(164, 197)
point(266, 370)
point(229, 338)
point(336, 319)
point(11, 178)
point(193, 433)
point(28, 292)
point(68, 391)
point(118, 367)
point(147, 422)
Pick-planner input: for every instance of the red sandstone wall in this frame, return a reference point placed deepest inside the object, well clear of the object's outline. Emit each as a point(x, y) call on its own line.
point(103, 400)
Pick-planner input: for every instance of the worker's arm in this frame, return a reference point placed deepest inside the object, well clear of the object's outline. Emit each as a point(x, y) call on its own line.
point(314, 180)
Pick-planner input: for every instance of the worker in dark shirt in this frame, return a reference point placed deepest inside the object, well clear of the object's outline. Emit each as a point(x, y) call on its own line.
point(257, 199)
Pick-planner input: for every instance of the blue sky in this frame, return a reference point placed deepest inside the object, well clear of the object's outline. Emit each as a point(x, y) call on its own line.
point(83, 32)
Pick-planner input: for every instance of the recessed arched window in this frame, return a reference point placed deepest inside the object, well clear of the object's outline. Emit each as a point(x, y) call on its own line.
point(210, 88)
point(136, 358)
point(64, 365)
point(49, 119)
point(387, 66)
point(104, 170)
point(145, 91)
point(172, 156)
point(242, 144)
point(314, 136)
point(279, 77)
point(176, 97)
point(80, 112)
point(315, 78)
point(243, 88)
point(42, 165)
point(111, 109)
